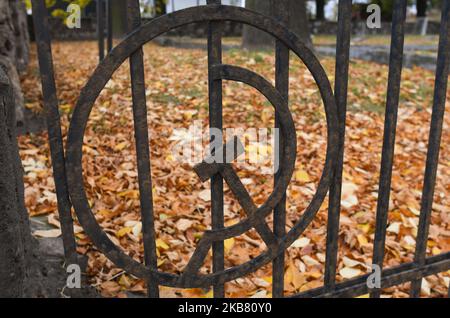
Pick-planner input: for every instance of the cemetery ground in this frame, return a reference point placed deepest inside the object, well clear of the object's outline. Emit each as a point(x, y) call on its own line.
point(323, 39)
point(176, 83)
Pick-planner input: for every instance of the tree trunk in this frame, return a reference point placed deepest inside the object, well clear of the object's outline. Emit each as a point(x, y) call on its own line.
point(21, 269)
point(12, 268)
point(14, 47)
point(421, 8)
point(320, 10)
point(253, 38)
point(21, 37)
point(28, 267)
point(19, 274)
point(298, 23)
point(119, 17)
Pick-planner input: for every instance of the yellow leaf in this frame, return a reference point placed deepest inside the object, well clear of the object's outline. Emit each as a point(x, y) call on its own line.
point(302, 176)
point(188, 115)
point(268, 279)
point(125, 281)
point(123, 231)
point(130, 194)
point(161, 244)
point(65, 108)
point(362, 240)
point(160, 261)
point(228, 244)
point(364, 227)
point(436, 251)
point(121, 146)
point(209, 294)
point(105, 212)
point(364, 296)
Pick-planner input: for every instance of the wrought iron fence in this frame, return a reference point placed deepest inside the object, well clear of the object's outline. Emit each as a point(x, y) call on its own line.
point(68, 172)
point(104, 27)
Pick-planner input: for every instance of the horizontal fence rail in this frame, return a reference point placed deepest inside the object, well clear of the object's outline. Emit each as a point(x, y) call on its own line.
point(69, 175)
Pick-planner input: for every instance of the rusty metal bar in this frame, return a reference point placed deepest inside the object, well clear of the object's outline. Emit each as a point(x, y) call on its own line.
point(100, 30)
point(340, 92)
point(142, 150)
point(109, 26)
point(281, 10)
point(434, 142)
point(43, 42)
point(390, 277)
point(215, 121)
point(390, 125)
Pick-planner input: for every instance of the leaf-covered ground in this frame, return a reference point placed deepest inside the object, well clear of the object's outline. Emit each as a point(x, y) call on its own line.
point(176, 83)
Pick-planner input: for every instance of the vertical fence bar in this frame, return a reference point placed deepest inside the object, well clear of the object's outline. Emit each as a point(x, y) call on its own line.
point(215, 121)
point(434, 141)
point(281, 9)
point(142, 150)
point(43, 42)
point(109, 26)
point(390, 125)
point(341, 86)
point(100, 30)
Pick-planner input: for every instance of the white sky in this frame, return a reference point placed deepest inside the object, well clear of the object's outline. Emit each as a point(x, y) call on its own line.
point(182, 4)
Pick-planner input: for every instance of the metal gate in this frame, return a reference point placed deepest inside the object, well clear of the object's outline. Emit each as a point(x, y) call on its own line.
point(68, 171)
